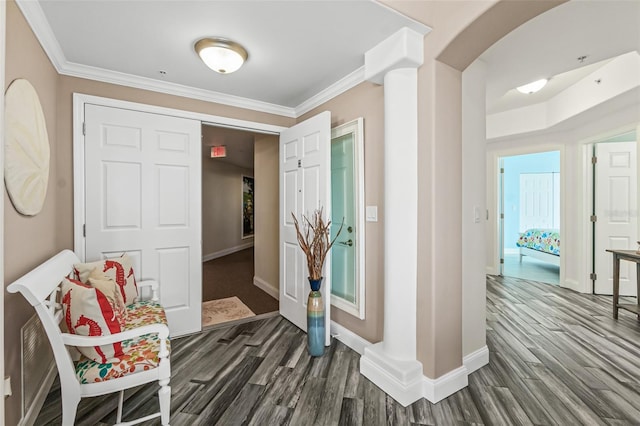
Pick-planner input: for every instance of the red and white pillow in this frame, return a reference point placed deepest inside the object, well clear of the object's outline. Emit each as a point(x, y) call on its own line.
point(119, 269)
point(88, 312)
point(98, 280)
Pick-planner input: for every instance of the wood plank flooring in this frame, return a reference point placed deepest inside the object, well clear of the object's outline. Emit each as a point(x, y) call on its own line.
point(556, 357)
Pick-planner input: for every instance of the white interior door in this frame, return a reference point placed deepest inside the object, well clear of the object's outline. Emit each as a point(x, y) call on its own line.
point(305, 185)
point(615, 195)
point(143, 197)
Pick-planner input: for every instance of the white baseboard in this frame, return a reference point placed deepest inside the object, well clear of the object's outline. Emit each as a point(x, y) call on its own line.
point(266, 287)
point(402, 380)
point(476, 359)
point(405, 382)
point(511, 251)
point(434, 390)
point(226, 251)
point(489, 270)
point(32, 413)
point(349, 338)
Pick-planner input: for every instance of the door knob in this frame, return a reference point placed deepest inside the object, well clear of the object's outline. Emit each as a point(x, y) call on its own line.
point(350, 229)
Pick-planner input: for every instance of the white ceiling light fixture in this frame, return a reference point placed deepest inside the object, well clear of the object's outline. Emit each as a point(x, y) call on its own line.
point(221, 55)
point(532, 87)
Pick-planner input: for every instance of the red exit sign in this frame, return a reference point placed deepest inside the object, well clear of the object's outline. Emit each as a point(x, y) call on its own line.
point(218, 151)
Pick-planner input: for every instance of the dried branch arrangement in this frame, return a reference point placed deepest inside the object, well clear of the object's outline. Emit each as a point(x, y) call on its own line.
point(315, 241)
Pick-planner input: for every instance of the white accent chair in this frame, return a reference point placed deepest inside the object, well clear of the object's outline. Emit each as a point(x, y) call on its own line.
point(40, 287)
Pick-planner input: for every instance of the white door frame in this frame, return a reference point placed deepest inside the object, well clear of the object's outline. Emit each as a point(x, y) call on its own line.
point(493, 200)
point(79, 101)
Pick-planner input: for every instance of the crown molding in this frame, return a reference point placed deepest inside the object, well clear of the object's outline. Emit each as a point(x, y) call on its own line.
point(34, 16)
point(122, 79)
point(36, 19)
point(337, 88)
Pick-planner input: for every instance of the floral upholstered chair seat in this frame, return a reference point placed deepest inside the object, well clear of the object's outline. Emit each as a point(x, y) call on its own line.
point(140, 354)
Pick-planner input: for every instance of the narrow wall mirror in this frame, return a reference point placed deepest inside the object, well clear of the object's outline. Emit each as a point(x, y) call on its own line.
point(347, 201)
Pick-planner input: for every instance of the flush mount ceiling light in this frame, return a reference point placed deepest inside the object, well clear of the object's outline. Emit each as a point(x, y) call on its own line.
point(532, 87)
point(221, 55)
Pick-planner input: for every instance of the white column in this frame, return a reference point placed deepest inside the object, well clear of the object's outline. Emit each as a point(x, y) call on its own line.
point(392, 364)
point(400, 212)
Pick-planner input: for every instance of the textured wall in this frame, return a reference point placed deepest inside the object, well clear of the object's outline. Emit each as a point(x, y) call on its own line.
point(267, 200)
point(27, 240)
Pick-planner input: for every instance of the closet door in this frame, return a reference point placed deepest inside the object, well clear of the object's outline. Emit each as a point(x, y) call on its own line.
point(143, 197)
point(615, 195)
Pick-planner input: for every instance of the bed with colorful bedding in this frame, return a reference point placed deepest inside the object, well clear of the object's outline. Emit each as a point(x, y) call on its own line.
point(541, 244)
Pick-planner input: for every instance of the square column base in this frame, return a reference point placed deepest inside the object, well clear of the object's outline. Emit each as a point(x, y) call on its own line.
point(402, 380)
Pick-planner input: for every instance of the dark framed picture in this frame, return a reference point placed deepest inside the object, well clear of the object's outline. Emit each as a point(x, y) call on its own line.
point(247, 207)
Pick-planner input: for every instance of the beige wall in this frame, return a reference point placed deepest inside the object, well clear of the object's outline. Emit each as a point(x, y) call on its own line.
point(267, 201)
point(221, 203)
point(365, 100)
point(27, 240)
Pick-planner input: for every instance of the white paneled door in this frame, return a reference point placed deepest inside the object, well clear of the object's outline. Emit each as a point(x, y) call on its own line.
point(305, 185)
point(143, 197)
point(616, 211)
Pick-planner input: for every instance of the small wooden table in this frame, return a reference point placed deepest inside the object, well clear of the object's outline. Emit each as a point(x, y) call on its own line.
point(631, 256)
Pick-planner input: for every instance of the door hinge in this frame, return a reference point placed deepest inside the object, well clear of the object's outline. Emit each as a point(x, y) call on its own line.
point(594, 160)
point(594, 218)
point(502, 170)
point(7, 386)
point(593, 276)
point(84, 230)
point(299, 163)
point(84, 129)
point(501, 215)
point(502, 261)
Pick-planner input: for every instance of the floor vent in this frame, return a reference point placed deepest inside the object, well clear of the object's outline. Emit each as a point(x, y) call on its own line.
point(37, 367)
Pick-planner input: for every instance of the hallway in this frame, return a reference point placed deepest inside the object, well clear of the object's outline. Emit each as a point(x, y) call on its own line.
point(232, 275)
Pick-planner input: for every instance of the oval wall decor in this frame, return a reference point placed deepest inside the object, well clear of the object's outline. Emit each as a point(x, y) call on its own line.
point(26, 161)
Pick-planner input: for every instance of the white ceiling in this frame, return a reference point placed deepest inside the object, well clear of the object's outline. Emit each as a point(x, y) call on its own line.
point(301, 53)
point(296, 49)
point(549, 45)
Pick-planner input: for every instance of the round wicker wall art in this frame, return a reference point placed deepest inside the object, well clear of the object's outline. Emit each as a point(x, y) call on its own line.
point(26, 162)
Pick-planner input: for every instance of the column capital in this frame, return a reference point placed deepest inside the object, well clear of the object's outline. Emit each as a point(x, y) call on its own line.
point(403, 49)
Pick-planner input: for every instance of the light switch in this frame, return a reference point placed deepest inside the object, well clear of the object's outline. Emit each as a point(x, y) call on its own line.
point(372, 214)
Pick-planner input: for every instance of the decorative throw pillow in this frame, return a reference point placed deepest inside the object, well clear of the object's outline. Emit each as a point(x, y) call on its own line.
point(119, 269)
point(87, 312)
point(98, 280)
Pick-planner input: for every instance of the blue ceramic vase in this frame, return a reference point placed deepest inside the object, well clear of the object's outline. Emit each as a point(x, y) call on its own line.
point(315, 319)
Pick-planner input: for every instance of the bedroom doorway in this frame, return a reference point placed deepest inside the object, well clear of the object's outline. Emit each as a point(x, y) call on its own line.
point(529, 231)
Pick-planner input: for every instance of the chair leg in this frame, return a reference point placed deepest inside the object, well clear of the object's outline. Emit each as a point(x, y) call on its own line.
point(69, 409)
point(120, 404)
point(164, 395)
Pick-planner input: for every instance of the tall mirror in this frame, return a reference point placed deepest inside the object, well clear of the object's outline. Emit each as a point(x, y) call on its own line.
point(347, 201)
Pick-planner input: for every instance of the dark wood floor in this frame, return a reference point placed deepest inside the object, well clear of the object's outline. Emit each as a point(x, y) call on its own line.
point(557, 357)
point(232, 275)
